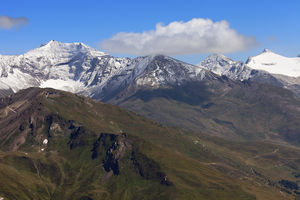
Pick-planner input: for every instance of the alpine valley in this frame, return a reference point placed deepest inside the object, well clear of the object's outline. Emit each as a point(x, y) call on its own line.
point(76, 123)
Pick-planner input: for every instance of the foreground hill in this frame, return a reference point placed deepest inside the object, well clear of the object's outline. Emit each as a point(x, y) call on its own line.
point(57, 145)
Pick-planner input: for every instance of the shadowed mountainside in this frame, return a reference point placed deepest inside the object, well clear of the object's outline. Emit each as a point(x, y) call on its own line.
point(221, 107)
point(59, 145)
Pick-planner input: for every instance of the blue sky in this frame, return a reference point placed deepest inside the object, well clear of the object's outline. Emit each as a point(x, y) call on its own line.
point(274, 24)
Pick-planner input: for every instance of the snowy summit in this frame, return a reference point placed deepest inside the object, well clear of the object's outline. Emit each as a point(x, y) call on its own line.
point(275, 64)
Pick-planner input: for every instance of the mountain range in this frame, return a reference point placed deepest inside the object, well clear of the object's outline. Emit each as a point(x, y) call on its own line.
point(77, 68)
point(219, 96)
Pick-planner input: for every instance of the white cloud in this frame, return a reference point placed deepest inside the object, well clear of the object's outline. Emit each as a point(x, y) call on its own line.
point(7, 22)
point(177, 38)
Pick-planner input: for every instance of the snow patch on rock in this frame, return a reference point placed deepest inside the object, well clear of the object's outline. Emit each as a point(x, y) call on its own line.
point(66, 85)
point(45, 141)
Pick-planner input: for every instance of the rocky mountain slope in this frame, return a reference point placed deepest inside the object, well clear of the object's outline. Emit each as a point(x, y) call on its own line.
point(267, 67)
point(234, 110)
point(57, 145)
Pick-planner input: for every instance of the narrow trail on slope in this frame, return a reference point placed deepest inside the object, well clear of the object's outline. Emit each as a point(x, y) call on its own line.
point(11, 109)
point(248, 161)
point(41, 179)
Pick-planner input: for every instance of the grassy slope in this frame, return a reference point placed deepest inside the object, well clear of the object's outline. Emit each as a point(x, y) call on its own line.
point(199, 167)
point(234, 111)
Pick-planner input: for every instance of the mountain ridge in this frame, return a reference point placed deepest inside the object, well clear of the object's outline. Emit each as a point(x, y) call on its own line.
point(77, 68)
point(81, 69)
point(250, 70)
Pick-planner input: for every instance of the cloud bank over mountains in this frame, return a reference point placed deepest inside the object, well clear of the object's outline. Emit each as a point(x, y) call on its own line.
point(7, 22)
point(196, 36)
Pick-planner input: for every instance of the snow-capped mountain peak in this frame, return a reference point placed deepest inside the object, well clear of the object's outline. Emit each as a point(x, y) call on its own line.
point(222, 65)
point(275, 63)
point(152, 71)
point(164, 70)
point(57, 49)
point(68, 66)
point(216, 62)
point(267, 51)
point(217, 57)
